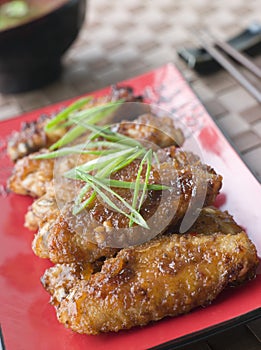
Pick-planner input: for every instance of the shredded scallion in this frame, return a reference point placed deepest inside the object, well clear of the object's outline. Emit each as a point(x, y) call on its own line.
point(114, 152)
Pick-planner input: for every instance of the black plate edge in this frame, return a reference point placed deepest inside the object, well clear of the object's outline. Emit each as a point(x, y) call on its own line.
point(207, 332)
point(2, 344)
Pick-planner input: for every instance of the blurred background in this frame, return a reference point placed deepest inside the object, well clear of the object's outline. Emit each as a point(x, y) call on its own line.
point(120, 39)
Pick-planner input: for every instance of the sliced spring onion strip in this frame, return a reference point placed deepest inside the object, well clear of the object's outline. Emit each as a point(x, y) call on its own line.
point(95, 114)
point(129, 159)
point(102, 173)
point(63, 115)
point(88, 148)
point(148, 159)
point(108, 134)
point(70, 136)
point(156, 158)
point(131, 185)
point(97, 163)
point(98, 187)
point(137, 188)
point(79, 205)
point(90, 116)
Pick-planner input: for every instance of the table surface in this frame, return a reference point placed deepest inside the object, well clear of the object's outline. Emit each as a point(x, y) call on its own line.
point(122, 39)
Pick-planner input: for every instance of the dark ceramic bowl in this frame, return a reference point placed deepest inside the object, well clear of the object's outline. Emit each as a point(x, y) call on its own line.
point(30, 53)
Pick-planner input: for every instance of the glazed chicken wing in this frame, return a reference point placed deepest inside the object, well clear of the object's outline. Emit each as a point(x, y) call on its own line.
point(33, 176)
point(41, 209)
point(32, 136)
point(167, 276)
point(99, 226)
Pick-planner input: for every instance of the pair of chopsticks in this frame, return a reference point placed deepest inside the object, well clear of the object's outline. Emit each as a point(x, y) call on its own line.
point(216, 49)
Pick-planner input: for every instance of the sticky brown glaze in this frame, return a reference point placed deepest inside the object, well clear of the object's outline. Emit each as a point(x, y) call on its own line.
point(209, 221)
point(167, 276)
point(60, 244)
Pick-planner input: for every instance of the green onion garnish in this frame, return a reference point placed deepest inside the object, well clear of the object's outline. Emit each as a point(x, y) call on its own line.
point(98, 163)
point(99, 187)
point(63, 115)
point(84, 120)
point(131, 185)
point(114, 152)
point(104, 170)
point(148, 159)
point(88, 148)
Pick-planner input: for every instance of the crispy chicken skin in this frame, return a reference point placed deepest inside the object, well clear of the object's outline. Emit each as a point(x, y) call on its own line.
point(42, 208)
point(59, 279)
point(31, 176)
point(167, 276)
point(32, 136)
point(34, 177)
point(210, 221)
point(57, 242)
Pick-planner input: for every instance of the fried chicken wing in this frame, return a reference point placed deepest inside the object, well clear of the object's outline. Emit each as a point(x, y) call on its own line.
point(210, 221)
point(32, 135)
point(59, 279)
point(34, 177)
point(45, 206)
point(100, 227)
point(57, 242)
point(167, 276)
point(30, 178)
point(158, 131)
point(31, 138)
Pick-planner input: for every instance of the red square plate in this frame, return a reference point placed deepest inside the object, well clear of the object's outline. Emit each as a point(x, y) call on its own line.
point(29, 322)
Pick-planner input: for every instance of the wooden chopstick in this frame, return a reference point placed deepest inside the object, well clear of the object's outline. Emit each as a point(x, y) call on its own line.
point(209, 46)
